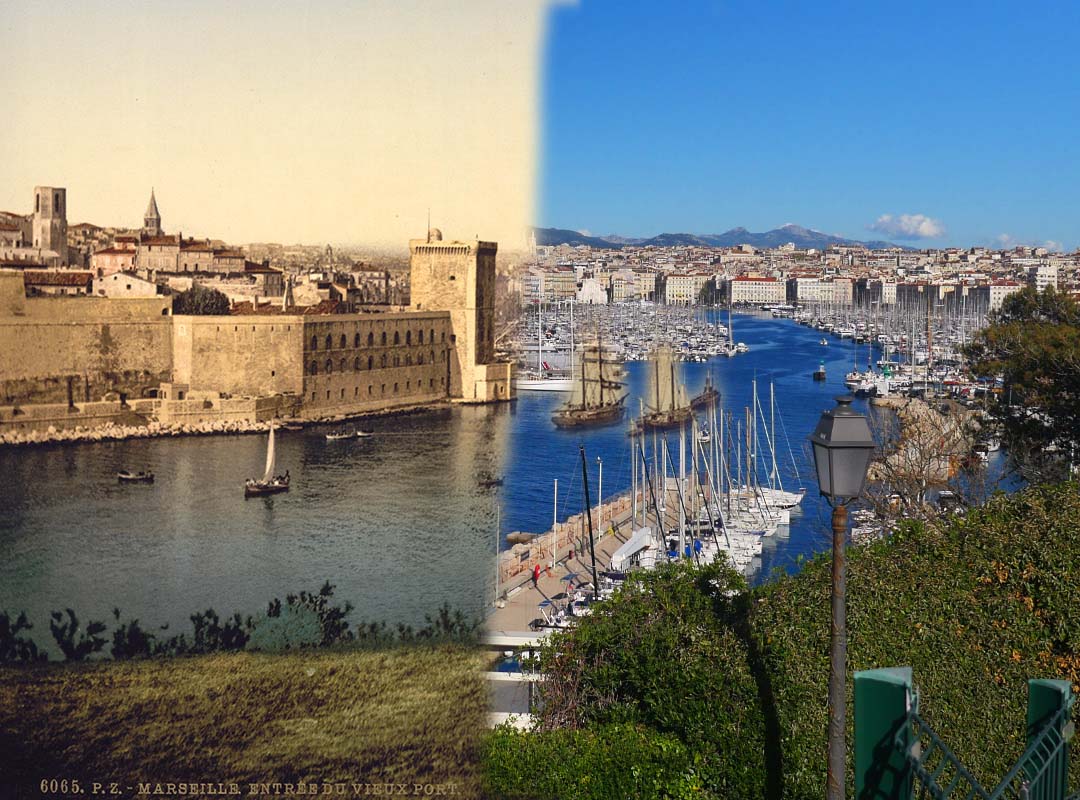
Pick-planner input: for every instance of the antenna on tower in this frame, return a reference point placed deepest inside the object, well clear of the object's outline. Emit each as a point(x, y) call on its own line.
point(429, 225)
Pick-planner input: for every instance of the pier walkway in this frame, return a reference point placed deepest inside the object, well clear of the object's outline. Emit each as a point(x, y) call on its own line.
point(519, 600)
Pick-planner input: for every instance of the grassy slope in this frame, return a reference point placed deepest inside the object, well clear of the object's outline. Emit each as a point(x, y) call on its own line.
point(406, 715)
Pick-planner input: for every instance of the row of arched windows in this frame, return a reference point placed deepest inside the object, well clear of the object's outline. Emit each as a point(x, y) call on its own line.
point(343, 342)
point(382, 389)
point(358, 363)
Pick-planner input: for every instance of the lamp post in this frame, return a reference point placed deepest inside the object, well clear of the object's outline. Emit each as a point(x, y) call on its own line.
point(843, 445)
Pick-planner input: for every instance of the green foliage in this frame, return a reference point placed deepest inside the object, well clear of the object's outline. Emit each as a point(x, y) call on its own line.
point(1033, 341)
point(976, 605)
point(666, 653)
point(130, 640)
point(14, 647)
point(612, 761)
point(199, 300)
point(307, 619)
point(76, 643)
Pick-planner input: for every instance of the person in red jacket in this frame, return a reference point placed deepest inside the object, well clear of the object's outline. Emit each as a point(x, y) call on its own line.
point(536, 576)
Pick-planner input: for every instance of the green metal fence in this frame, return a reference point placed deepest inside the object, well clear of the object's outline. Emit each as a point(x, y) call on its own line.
point(899, 756)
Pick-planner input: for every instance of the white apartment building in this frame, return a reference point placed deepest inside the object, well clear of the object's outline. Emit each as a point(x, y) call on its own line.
point(684, 288)
point(1045, 275)
point(757, 291)
point(999, 290)
point(822, 290)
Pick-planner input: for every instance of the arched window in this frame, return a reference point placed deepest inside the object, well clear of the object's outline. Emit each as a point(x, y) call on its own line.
point(408, 337)
point(408, 361)
point(397, 338)
point(397, 361)
point(383, 364)
point(420, 360)
point(432, 356)
point(370, 362)
point(356, 340)
point(329, 365)
point(356, 365)
point(314, 342)
point(344, 342)
point(444, 336)
point(371, 339)
point(395, 388)
point(384, 338)
point(314, 368)
point(420, 336)
point(431, 336)
point(329, 342)
point(341, 365)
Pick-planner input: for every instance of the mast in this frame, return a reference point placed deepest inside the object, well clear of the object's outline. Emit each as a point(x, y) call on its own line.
point(540, 338)
point(554, 526)
point(772, 435)
point(573, 349)
point(682, 481)
point(588, 516)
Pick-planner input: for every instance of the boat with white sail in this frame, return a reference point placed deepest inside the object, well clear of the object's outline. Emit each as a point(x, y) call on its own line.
point(269, 483)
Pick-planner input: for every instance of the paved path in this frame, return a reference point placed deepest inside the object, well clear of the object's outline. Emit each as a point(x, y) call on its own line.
point(522, 604)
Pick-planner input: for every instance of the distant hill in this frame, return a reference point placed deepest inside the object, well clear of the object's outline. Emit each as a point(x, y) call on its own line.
point(803, 238)
point(556, 236)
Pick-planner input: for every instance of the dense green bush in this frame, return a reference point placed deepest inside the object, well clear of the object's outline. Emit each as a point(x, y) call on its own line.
point(613, 761)
point(200, 300)
point(14, 646)
point(975, 606)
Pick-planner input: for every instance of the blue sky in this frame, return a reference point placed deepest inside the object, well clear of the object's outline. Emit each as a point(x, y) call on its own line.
point(935, 122)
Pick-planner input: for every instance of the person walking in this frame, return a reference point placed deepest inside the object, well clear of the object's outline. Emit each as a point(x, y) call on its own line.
point(536, 576)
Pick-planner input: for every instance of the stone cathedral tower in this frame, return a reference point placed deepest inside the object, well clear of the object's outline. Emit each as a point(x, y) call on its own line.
point(152, 218)
point(50, 220)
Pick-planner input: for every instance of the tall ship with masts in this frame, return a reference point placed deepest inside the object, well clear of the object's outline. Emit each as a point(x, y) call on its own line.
point(597, 397)
point(666, 404)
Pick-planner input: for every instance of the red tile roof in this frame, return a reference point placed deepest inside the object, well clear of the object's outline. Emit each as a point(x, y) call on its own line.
point(32, 277)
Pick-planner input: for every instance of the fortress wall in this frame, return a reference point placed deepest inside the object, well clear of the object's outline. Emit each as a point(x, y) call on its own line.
point(95, 346)
point(366, 374)
point(240, 355)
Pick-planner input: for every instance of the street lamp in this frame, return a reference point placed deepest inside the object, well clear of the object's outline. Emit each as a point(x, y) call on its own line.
point(843, 445)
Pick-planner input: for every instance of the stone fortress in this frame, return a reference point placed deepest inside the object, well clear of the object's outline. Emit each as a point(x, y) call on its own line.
point(68, 361)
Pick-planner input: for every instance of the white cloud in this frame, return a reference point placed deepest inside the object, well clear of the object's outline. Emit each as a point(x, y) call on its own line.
point(585, 232)
point(1006, 241)
point(908, 226)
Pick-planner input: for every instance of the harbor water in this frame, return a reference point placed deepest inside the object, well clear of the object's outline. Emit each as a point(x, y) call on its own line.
point(400, 522)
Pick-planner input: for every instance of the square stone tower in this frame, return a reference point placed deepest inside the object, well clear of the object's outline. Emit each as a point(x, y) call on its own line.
point(50, 220)
point(459, 277)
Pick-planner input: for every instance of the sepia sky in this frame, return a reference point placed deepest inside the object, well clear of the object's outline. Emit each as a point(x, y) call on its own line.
point(337, 122)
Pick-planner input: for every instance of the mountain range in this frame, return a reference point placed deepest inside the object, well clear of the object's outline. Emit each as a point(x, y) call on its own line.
point(803, 238)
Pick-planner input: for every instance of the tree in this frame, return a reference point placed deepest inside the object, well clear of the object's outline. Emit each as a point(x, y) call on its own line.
point(1033, 344)
point(201, 301)
point(922, 449)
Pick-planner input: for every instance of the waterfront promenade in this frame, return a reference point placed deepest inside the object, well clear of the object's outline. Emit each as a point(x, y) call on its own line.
point(518, 600)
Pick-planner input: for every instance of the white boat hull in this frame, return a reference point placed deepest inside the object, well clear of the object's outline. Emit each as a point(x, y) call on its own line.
point(543, 384)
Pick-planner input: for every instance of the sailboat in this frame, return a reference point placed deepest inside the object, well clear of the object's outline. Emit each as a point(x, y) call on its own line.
point(598, 397)
point(543, 379)
point(665, 397)
point(269, 483)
